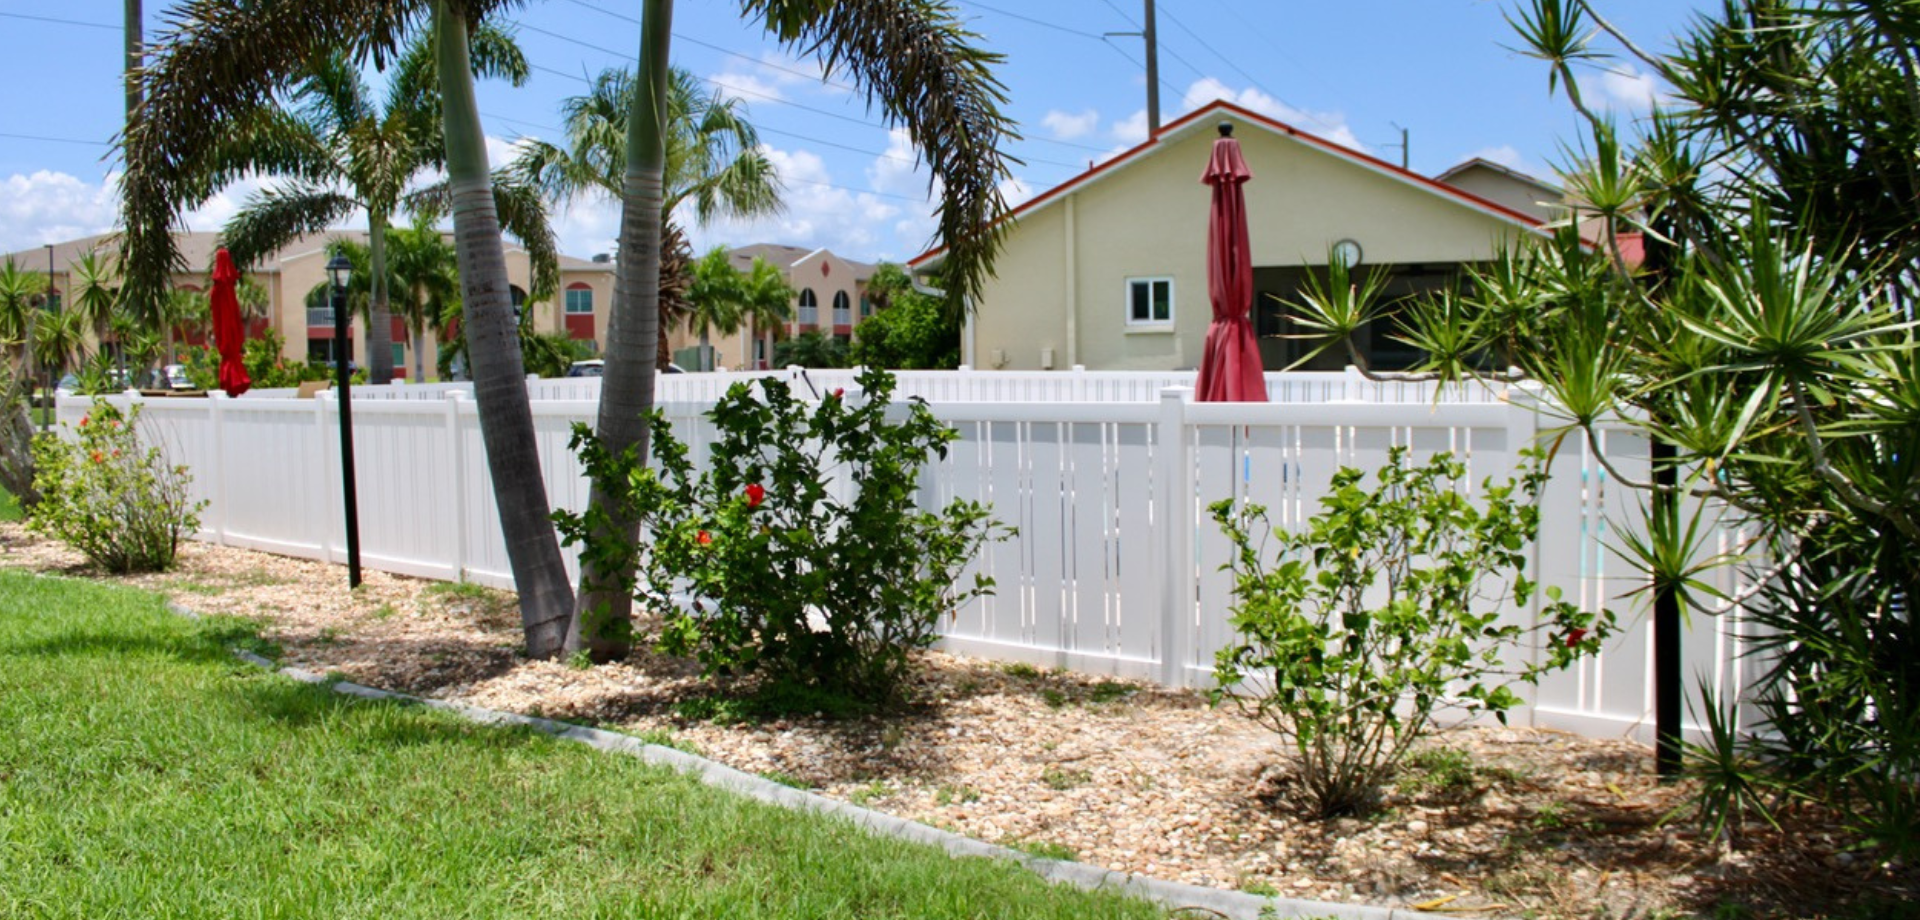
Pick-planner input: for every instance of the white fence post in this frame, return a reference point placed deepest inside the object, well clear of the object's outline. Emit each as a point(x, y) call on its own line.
point(216, 416)
point(1173, 495)
point(338, 530)
point(457, 482)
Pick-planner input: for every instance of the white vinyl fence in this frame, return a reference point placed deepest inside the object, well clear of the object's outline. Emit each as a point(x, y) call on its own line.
point(1116, 569)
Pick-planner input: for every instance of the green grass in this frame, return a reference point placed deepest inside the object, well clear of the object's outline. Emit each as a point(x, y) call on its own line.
point(144, 772)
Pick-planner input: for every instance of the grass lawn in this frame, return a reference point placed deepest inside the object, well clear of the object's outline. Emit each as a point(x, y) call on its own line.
point(146, 773)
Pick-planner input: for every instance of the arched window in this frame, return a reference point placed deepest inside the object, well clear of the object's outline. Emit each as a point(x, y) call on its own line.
point(842, 309)
point(809, 308)
point(579, 298)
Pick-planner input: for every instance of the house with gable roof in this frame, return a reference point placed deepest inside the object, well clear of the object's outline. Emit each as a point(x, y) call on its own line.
point(1108, 270)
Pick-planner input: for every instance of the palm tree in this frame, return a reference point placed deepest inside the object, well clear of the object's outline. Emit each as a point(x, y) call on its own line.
point(722, 297)
point(19, 293)
point(916, 61)
point(95, 299)
point(713, 160)
point(426, 280)
point(361, 156)
point(58, 336)
point(183, 309)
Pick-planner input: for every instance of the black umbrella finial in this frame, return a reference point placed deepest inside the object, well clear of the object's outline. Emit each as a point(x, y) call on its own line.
point(1226, 129)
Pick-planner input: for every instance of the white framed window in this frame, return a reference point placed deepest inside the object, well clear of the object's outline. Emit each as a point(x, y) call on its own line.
point(1149, 301)
point(842, 309)
point(809, 308)
point(580, 299)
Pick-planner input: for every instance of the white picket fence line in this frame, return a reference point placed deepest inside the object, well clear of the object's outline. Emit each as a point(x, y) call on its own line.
point(1116, 566)
point(968, 385)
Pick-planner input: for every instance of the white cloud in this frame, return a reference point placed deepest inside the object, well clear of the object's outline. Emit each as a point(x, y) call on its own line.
point(1629, 90)
point(750, 88)
point(1329, 125)
point(1131, 130)
point(1067, 126)
point(52, 207)
point(821, 213)
point(1016, 191)
point(898, 170)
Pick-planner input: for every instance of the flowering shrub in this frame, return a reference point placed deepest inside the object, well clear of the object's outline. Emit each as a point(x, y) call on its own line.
point(792, 578)
point(110, 497)
point(1383, 607)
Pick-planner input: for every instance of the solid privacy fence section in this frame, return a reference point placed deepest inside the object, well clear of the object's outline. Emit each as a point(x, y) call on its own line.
point(1107, 475)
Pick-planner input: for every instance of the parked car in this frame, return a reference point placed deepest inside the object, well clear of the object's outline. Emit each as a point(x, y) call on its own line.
point(596, 367)
point(168, 377)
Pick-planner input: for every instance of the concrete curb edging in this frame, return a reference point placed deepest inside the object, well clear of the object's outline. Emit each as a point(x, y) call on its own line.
point(1172, 895)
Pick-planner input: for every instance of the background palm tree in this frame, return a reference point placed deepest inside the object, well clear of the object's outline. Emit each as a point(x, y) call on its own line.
point(358, 155)
point(916, 61)
point(19, 294)
point(714, 162)
point(426, 282)
point(59, 336)
point(726, 299)
point(96, 300)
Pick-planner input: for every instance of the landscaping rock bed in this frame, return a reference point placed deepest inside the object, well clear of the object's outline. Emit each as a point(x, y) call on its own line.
point(1489, 821)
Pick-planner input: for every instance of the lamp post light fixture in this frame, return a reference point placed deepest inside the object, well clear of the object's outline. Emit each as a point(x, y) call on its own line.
point(338, 268)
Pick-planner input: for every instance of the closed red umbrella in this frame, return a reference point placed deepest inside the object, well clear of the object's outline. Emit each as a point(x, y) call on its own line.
point(229, 333)
point(1230, 368)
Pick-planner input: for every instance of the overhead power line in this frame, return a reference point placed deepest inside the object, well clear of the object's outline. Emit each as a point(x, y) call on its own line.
point(64, 22)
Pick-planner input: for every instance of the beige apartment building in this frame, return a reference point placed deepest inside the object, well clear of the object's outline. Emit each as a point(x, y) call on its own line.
point(294, 278)
point(829, 296)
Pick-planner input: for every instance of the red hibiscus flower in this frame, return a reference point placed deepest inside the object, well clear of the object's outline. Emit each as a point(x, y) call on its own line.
point(839, 392)
point(1574, 636)
point(756, 494)
point(704, 538)
point(84, 420)
point(97, 457)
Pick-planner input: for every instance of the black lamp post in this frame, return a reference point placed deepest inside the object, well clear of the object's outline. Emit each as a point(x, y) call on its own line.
point(338, 268)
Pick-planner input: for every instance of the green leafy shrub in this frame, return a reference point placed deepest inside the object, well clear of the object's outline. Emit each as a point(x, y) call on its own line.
point(1383, 608)
point(111, 497)
point(793, 579)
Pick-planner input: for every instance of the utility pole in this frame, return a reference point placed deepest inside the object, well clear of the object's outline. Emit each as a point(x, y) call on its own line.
point(1404, 150)
point(135, 56)
point(1148, 34)
point(1153, 72)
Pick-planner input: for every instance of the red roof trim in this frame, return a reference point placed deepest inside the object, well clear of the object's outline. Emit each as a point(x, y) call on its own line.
point(1221, 105)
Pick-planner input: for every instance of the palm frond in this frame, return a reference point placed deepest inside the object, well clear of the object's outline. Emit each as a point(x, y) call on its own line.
point(916, 59)
point(278, 215)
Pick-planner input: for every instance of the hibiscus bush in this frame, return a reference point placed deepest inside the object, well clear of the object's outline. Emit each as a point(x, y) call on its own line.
point(799, 552)
point(1383, 608)
point(110, 496)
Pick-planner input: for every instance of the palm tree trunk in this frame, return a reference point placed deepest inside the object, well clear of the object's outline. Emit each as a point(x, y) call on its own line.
point(419, 353)
point(493, 354)
point(379, 314)
point(603, 612)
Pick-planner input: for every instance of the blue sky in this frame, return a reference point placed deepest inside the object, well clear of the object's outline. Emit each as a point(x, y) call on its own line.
point(1355, 71)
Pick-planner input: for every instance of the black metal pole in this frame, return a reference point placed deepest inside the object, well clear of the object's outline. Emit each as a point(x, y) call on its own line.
point(344, 383)
point(1668, 691)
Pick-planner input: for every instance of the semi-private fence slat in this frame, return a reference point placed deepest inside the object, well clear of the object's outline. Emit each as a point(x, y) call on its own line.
point(1106, 475)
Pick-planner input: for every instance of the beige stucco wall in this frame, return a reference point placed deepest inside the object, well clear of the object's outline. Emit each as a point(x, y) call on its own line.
point(1148, 218)
point(302, 269)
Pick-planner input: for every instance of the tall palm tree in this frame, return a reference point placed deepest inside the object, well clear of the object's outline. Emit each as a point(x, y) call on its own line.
point(362, 155)
point(914, 59)
point(714, 162)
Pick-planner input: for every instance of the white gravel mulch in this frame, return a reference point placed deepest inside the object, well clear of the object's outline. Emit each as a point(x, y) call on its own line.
point(1123, 775)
